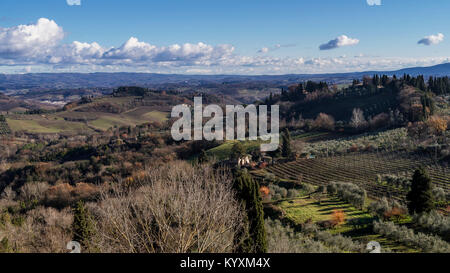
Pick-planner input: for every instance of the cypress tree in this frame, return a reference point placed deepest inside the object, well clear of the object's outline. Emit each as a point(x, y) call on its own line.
point(83, 225)
point(203, 158)
point(286, 150)
point(420, 198)
point(253, 238)
point(237, 150)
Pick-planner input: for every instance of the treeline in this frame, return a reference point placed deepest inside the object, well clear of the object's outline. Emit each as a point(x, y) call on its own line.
point(303, 91)
point(124, 91)
point(377, 96)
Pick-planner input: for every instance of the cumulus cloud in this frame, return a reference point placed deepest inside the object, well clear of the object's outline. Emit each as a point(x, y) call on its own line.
point(28, 41)
point(340, 41)
point(136, 51)
point(432, 39)
point(374, 2)
point(39, 47)
point(74, 2)
point(40, 43)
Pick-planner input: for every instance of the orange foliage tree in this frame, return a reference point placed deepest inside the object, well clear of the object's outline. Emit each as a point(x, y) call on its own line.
point(396, 213)
point(437, 124)
point(338, 217)
point(265, 191)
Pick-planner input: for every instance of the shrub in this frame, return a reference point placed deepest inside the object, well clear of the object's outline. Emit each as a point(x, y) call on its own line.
point(349, 192)
point(439, 194)
point(426, 243)
point(434, 222)
point(384, 209)
point(324, 121)
point(292, 193)
point(283, 239)
point(338, 217)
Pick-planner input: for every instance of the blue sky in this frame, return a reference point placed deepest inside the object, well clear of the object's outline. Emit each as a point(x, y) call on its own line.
point(215, 36)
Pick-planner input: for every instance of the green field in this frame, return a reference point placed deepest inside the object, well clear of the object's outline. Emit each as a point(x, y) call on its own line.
point(77, 122)
point(303, 209)
point(224, 151)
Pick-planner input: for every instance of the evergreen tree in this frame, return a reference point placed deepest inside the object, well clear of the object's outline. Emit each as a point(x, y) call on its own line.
point(286, 150)
point(83, 225)
point(275, 154)
point(253, 238)
point(203, 158)
point(428, 106)
point(237, 151)
point(420, 198)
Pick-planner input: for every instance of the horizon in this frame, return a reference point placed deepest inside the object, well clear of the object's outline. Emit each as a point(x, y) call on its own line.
point(240, 75)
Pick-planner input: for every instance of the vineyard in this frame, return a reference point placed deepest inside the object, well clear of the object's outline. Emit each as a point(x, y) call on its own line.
point(362, 169)
point(4, 128)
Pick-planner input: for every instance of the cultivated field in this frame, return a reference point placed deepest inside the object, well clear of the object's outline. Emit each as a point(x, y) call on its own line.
point(362, 169)
point(100, 115)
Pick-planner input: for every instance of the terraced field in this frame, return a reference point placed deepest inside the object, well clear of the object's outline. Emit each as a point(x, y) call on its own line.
point(362, 169)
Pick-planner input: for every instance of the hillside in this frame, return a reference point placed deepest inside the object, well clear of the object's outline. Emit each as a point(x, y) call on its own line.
point(98, 114)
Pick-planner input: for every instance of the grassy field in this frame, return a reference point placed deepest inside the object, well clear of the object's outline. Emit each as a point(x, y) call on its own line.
point(39, 124)
point(224, 151)
point(303, 209)
point(76, 122)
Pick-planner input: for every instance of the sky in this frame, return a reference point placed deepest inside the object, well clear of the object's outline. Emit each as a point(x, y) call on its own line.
point(222, 36)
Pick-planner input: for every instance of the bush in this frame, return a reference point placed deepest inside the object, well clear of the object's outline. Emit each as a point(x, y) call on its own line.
point(283, 239)
point(277, 192)
point(292, 193)
point(384, 209)
point(439, 194)
point(427, 243)
point(348, 192)
point(434, 223)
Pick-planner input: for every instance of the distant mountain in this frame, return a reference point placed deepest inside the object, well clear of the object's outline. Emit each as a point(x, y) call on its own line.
point(46, 81)
point(439, 70)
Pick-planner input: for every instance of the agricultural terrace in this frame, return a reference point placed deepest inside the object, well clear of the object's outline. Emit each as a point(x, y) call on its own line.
point(363, 169)
point(381, 141)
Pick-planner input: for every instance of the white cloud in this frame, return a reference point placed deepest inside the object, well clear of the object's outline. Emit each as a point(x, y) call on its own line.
point(432, 39)
point(186, 54)
point(374, 2)
point(74, 2)
point(263, 50)
point(38, 47)
point(30, 41)
point(40, 43)
point(340, 41)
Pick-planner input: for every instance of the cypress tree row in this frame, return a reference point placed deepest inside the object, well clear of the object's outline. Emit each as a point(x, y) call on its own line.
point(253, 238)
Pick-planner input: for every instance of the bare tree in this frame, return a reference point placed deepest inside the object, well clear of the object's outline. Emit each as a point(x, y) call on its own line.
point(358, 121)
point(175, 208)
point(324, 121)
